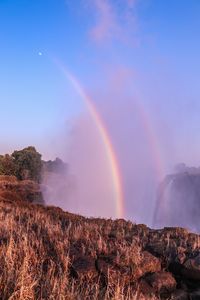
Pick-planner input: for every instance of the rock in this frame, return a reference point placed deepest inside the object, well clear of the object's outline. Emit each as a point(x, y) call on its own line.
point(191, 268)
point(179, 194)
point(118, 269)
point(112, 272)
point(84, 267)
point(195, 295)
point(148, 264)
point(181, 256)
point(156, 247)
point(162, 281)
point(176, 231)
point(179, 295)
point(145, 291)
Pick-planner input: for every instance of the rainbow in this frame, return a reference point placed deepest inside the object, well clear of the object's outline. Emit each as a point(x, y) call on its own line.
point(111, 156)
point(109, 150)
point(154, 146)
point(152, 140)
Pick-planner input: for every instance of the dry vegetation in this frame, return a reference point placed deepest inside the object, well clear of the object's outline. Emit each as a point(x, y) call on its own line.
point(46, 253)
point(37, 248)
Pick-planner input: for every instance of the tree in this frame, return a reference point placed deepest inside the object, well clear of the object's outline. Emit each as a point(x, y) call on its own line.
point(55, 166)
point(28, 164)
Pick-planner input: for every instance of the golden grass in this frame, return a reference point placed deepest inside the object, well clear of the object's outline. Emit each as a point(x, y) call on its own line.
point(39, 244)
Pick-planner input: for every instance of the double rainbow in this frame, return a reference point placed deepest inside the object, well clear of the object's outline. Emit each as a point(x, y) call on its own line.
point(109, 150)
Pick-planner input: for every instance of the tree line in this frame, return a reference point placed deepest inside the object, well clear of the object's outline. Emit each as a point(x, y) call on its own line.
point(24, 164)
point(28, 164)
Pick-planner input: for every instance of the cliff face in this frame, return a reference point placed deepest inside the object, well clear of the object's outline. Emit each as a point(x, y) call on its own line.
point(46, 253)
point(178, 202)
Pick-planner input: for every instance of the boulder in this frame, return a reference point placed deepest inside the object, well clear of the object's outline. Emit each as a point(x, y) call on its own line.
point(195, 295)
point(145, 291)
point(148, 264)
point(191, 268)
point(161, 282)
point(84, 267)
point(179, 295)
point(112, 272)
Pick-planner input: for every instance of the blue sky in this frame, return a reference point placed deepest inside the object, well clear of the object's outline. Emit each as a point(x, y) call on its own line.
point(162, 49)
point(126, 54)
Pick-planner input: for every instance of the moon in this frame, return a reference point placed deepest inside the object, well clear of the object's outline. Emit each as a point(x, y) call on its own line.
point(40, 53)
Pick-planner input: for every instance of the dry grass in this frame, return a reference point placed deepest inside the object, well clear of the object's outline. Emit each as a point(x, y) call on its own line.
point(38, 246)
point(8, 178)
